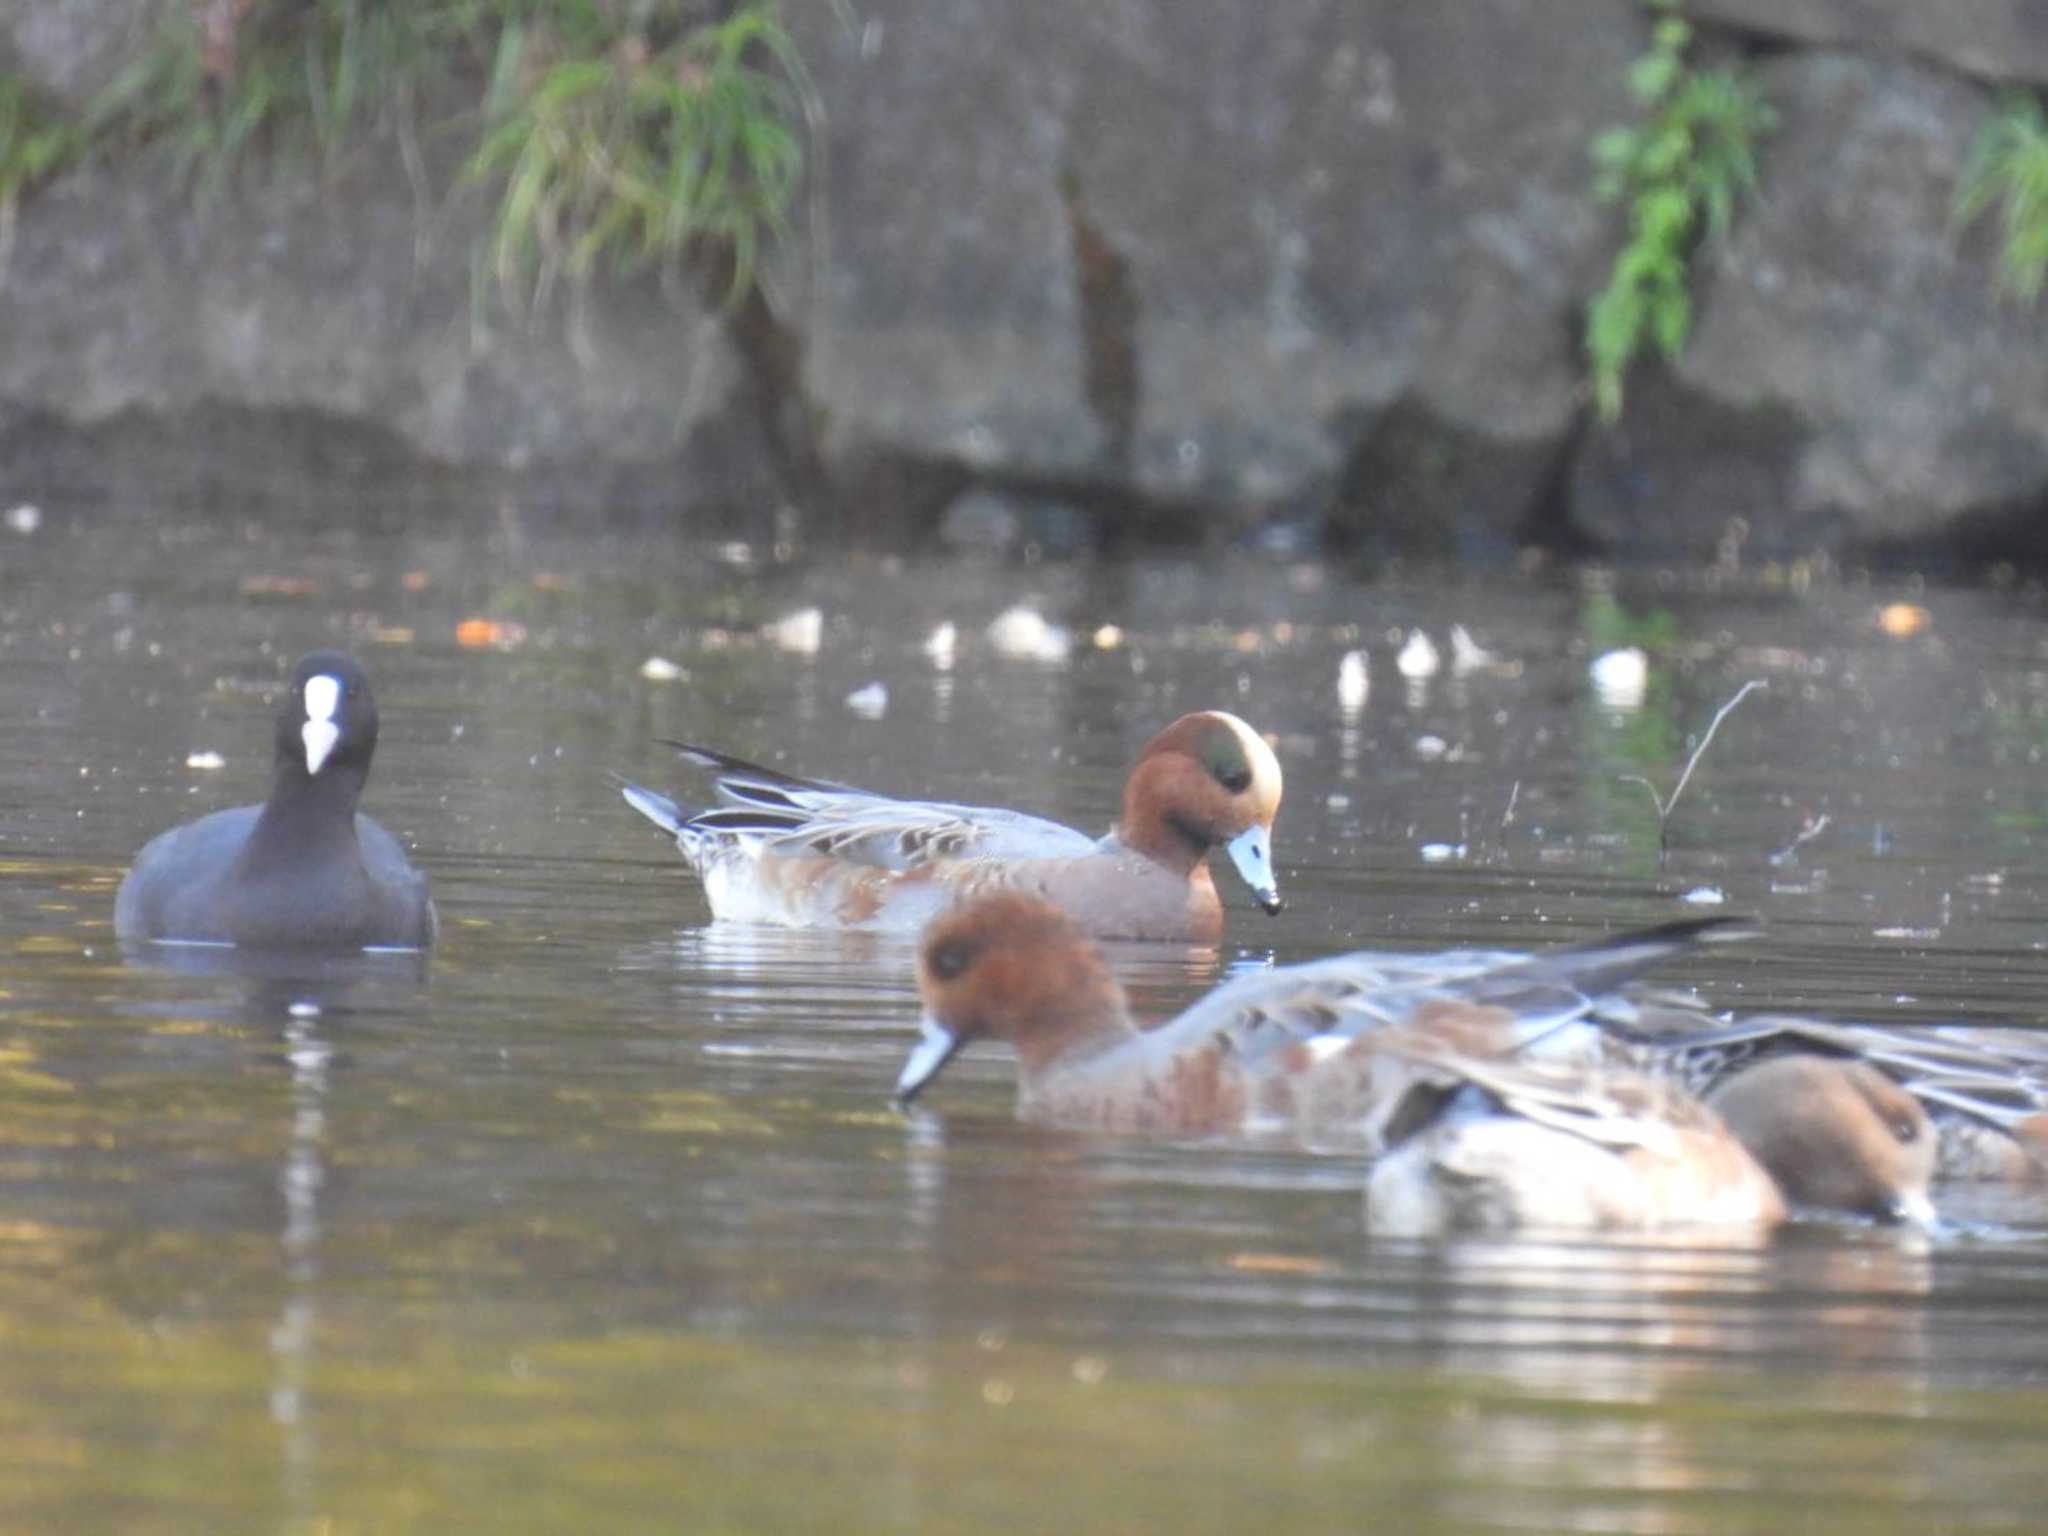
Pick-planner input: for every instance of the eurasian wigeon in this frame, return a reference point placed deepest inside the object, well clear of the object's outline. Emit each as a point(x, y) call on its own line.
point(1499, 1144)
point(1985, 1090)
point(304, 870)
point(1373, 1051)
point(806, 853)
point(1286, 1049)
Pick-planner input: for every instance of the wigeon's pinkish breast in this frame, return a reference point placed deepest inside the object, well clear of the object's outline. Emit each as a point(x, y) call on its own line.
point(805, 853)
point(1375, 1051)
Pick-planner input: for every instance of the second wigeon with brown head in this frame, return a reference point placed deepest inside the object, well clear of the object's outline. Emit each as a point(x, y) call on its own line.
point(807, 853)
point(1380, 1051)
point(1289, 1049)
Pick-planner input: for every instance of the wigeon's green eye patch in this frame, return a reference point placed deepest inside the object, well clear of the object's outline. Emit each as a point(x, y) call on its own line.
point(1223, 757)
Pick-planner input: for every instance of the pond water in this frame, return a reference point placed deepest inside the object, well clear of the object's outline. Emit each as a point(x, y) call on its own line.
point(605, 1222)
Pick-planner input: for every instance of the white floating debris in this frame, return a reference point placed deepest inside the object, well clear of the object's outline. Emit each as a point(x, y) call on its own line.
point(1430, 748)
point(802, 632)
point(210, 761)
point(1108, 637)
point(1023, 634)
point(1418, 658)
point(940, 644)
point(871, 702)
point(1705, 896)
point(26, 518)
point(1442, 853)
point(1467, 654)
point(659, 669)
point(1621, 677)
point(1354, 682)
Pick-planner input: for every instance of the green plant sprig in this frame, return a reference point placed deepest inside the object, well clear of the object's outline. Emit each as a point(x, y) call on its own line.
point(636, 154)
point(35, 144)
point(1680, 171)
point(2009, 166)
point(625, 133)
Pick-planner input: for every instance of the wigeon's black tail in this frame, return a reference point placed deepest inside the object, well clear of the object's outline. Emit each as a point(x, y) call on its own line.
point(657, 808)
point(750, 783)
point(1600, 964)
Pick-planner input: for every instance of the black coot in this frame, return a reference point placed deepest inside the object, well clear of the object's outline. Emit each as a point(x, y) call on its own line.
point(302, 870)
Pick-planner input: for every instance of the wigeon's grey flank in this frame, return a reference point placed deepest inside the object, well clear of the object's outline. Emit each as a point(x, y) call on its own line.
point(804, 853)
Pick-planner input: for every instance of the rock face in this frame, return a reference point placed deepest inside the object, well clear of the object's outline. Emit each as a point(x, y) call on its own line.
point(342, 300)
point(1855, 377)
point(73, 48)
point(1176, 267)
point(1202, 249)
point(1989, 39)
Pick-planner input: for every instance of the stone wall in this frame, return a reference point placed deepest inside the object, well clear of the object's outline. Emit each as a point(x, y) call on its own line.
point(1195, 268)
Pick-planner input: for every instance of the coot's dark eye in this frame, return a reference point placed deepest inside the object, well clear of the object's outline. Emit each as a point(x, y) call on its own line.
point(949, 958)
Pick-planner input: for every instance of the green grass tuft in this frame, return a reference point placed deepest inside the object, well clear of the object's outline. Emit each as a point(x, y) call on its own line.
point(34, 145)
point(2009, 167)
point(631, 154)
point(1680, 172)
point(626, 134)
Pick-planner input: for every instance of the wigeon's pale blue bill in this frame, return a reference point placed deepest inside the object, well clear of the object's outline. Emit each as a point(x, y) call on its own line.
point(1251, 851)
point(320, 732)
point(933, 1050)
point(1915, 1208)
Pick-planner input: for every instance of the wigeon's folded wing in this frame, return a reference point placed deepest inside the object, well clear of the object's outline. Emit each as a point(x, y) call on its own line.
point(2002, 1102)
point(1492, 1001)
point(1618, 1110)
point(1341, 997)
point(793, 815)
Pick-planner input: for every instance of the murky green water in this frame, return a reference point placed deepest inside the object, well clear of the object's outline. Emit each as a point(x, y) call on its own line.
point(606, 1222)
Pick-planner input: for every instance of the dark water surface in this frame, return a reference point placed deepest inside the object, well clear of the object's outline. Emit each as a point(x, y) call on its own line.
point(606, 1224)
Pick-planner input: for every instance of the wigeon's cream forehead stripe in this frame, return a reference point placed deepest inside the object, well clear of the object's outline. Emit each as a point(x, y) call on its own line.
point(1264, 765)
point(323, 696)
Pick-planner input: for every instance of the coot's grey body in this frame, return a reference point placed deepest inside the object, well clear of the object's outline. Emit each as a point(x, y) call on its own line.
point(303, 870)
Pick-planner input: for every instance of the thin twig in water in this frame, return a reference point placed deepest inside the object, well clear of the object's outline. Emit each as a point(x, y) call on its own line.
point(1790, 852)
point(1666, 807)
point(1507, 817)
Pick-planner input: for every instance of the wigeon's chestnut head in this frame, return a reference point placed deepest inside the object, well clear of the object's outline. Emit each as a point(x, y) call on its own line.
point(808, 853)
point(1012, 967)
point(1837, 1135)
point(1207, 781)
